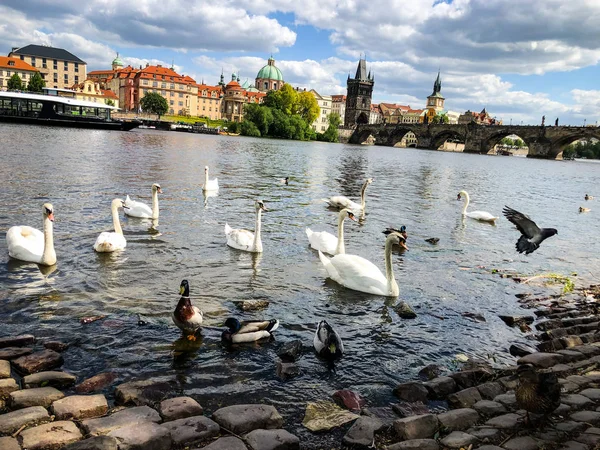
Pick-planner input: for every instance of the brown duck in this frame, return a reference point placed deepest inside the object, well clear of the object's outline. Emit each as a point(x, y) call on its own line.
point(186, 316)
point(537, 392)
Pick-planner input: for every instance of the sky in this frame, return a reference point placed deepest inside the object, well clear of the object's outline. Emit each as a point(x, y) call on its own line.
point(519, 59)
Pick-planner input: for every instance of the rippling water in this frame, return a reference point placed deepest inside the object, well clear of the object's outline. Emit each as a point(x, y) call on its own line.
point(81, 171)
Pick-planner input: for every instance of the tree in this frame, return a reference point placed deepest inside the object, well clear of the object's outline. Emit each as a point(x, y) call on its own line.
point(14, 83)
point(36, 83)
point(248, 128)
point(440, 118)
point(261, 116)
point(154, 103)
point(331, 134)
point(307, 107)
point(109, 102)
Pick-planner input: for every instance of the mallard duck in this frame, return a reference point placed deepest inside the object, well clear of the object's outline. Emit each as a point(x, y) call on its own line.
point(402, 231)
point(285, 181)
point(327, 342)
point(584, 210)
point(432, 241)
point(188, 318)
point(537, 392)
point(588, 197)
point(248, 331)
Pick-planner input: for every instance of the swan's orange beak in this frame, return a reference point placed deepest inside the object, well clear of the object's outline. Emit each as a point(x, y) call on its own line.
point(352, 217)
point(458, 197)
point(51, 217)
point(159, 190)
point(403, 245)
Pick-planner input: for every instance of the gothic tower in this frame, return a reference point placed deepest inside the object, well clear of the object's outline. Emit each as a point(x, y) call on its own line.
point(435, 102)
point(358, 96)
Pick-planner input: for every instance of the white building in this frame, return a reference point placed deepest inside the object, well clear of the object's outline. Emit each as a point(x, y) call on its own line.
point(339, 105)
point(325, 103)
point(453, 117)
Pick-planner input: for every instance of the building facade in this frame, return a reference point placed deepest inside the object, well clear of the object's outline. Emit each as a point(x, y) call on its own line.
point(9, 66)
point(358, 96)
point(269, 78)
point(338, 105)
point(58, 67)
point(209, 101)
point(435, 102)
point(91, 91)
point(375, 116)
point(482, 118)
point(325, 103)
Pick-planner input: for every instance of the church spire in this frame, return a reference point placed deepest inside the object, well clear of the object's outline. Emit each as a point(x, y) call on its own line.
point(437, 86)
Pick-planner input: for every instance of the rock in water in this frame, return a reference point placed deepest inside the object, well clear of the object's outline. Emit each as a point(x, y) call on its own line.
point(97, 382)
point(405, 311)
point(349, 399)
point(324, 415)
point(290, 351)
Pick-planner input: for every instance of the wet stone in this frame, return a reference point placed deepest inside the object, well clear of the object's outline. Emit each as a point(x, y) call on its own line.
point(490, 390)
point(470, 378)
point(484, 434)
point(35, 397)
point(362, 432)
point(9, 443)
point(505, 421)
point(80, 407)
point(591, 417)
point(11, 353)
point(12, 421)
point(384, 413)
point(406, 409)
point(96, 383)
point(17, 341)
point(290, 351)
point(272, 440)
point(430, 372)
point(567, 386)
point(412, 391)
point(577, 401)
point(508, 400)
point(592, 394)
point(95, 443)
point(521, 350)
point(38, 362)
point(50, 435)
point(241, 419)
point(562, 410)
point(226, 443)
point(561, 369)
point(459, 419)
point(416, 427)
point(570, 355)
point(192, 429)
point(179, 408)
point(588, 439)
point(587, 350)
point(57, 346)
point(489, 447)
point(415, 444)
point(8, 385)
point(458, 439)
point(511, 321)
point(465, 398)
point(349, 399)
point(51, 378)
point(4, 369)
point(571, 426)
point(579, 379)
point(287, 370)
point(571, 341)
point(572, 445)
point(145, 392)
point(126, 417)
point(521, 443)
point(489, 408)
point(593, 430)
point(542, 360)
point(143, 436)
point(440, 387)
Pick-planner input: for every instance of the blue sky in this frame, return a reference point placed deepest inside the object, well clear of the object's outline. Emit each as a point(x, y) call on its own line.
point(520, 60)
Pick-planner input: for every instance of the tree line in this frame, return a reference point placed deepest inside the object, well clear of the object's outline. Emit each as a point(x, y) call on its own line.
point(36, 83)
point(582, 149)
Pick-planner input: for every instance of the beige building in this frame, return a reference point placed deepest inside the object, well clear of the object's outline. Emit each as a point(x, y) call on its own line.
point(58, 67)
point(9, 66)
point(90, 91)
point(338, 105)
point(321, 123)
point(209, 101)
point(375, 116)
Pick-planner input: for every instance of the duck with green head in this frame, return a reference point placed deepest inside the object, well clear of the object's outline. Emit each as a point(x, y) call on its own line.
point(248, 331)
point(186, 316)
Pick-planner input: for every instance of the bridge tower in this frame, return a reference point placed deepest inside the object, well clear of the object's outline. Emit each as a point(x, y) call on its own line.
point(435, 102)
point(358, 96)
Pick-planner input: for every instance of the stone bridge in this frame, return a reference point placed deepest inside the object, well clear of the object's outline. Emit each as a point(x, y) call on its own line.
point(543, 142)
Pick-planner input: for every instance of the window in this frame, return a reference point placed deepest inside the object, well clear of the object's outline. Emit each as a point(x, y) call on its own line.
point(266, 85)
point(181, 95)
point(33, 61)
point(66, 65)
point(171, 93)
point(55, 77)
point(163, 85)
point(76, 67)
point(172, 85)
point(180, 103)
point(145, 82)
point(155, 84)
point(204, 108)
point(66, 78)
point(164, 93)
point(76, 79)
point(55, 65)
point(22, 58)
point(172, 102)
point(44, 65)
point(210, 108)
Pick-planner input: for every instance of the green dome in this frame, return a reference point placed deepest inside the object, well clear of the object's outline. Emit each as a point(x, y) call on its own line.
point(270, 72)
point(117, 61)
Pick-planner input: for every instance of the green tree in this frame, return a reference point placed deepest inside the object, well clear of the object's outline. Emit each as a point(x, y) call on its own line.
point(233, 127)
point(307, 107)
point(154, 103)
point(331, 134)
point(36, 83)
point(440, 118)
point(14, 83)
point(261, 116)
point(109, 102)
point(248, 128)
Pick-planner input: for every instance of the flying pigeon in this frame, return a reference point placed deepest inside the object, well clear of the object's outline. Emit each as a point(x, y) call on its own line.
point(532, 235)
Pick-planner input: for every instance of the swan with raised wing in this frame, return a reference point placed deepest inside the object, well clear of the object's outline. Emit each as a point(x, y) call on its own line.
point(246, 240)
point(341, 201)
point(327, 242)
point(30, 244)
point(482, 216)
point(360, 274)
point(110, 241)
point(141, 210)
point(210, 185)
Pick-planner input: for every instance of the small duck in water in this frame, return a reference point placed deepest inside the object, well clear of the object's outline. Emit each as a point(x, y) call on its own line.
point(188, 318)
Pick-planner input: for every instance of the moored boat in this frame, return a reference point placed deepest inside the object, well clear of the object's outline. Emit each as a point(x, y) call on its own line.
point(38, 109)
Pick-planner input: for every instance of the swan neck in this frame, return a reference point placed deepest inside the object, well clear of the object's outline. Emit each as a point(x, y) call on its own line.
point(341, 248)
point(49, 255)
point(392, 285)
point(363, 193)
point(467, 200)
point(155, 204)
point(257, 244)
point(206, 178)
point(115, 217)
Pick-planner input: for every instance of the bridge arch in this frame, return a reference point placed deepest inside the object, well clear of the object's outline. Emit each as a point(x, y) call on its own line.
point(489, 145)
point(399, 133)
point(440, 138)
point(561, 143)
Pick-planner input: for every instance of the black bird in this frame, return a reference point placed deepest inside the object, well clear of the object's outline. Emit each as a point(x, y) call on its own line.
point(402, 231)
point(327, 342)
point(432, 241)
point(532, 235)
point(537, 392)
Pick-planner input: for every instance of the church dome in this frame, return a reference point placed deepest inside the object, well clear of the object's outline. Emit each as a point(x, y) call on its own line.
point(270, 72)
point(117, 61)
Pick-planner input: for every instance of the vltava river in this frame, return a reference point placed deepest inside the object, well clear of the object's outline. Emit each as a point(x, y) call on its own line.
point(81, 171)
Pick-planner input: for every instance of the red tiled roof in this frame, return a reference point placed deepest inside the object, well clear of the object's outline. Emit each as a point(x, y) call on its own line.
point(10, 63)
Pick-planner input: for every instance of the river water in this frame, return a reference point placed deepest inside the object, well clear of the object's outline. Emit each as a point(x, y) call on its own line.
point(81, 171)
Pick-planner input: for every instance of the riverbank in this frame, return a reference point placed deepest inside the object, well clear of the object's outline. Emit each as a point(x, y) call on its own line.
point(45, 407)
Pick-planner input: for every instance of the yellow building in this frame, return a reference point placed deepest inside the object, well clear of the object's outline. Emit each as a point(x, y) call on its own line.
point(90, 91)
point(9, 66)
point(209, 101)
point(58, 67)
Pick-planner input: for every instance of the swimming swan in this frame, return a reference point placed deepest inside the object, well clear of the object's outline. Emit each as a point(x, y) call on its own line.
point(483, 216)
point(327, 242)
point(111, 241)
point(139, 209)
point(341, 201)
point(246, 240)
point(30, 244)
point(210, 185)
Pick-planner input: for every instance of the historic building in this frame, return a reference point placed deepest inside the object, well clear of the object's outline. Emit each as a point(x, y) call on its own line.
point(269, 78)
point(91, 91)
point(58, 67)
point(338, 105)
point(235, 97)
point(435, 102)
point(358, 96)
point(375, 115)
point(209, 101)
point(482, 118)
point(325, 103)
point(9, 66)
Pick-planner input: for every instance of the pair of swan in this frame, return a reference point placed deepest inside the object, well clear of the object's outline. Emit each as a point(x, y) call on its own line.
point(327, 242)
point(246, 240)
point(30, 244)
point(482, 216)
point(360, 274)
point(341, 201)
point(141, 210)
point(210, 185)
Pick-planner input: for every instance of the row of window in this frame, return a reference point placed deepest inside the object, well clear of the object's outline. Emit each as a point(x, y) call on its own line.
point(54, 63)
point(23, 75)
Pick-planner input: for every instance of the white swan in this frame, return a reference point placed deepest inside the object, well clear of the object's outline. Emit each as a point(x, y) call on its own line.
point(244, 239)
point(30, 244)
point(112, 241)
point(139, 209)
point(340, 201)
point(360, 274)
point(483, 216)
point(210, 185)
point(327, 242)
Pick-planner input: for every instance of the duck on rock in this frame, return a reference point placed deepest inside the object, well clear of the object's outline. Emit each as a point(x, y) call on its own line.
point(537, 392)
point(187, 317)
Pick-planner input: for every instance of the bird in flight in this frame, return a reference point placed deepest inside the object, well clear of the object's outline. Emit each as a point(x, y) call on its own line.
point(532, 235)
